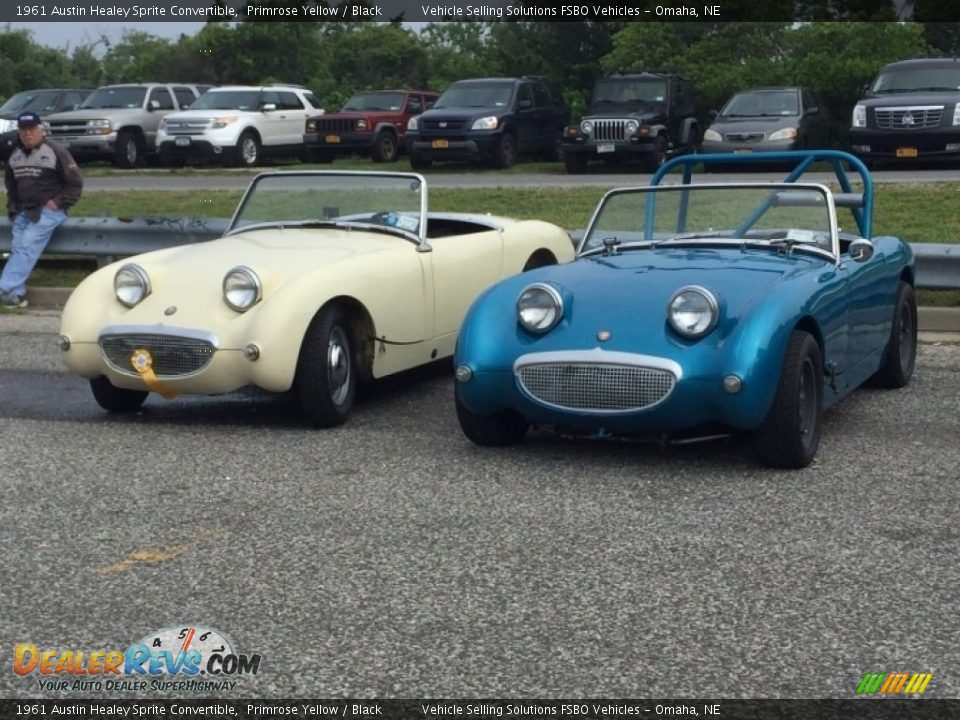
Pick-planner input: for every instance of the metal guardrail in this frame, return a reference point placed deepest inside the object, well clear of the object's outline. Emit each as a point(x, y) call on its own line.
point(938, 265)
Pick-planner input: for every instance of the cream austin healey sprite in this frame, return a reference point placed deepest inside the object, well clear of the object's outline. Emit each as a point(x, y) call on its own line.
point(323, 279)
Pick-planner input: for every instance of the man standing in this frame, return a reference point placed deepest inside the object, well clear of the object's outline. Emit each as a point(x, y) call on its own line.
point(42, 181)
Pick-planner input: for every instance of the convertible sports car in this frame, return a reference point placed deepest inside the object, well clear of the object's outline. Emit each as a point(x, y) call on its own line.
point(321, 278)
point(696, 311)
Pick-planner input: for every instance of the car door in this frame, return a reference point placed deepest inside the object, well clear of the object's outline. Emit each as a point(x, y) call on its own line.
point(271, 123)
point(525, 119)
point(159, 104)
point(871, 291)
point(460, 268)
point(293, 116)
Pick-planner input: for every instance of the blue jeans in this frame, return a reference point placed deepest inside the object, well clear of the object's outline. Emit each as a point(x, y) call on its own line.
point(29, 241)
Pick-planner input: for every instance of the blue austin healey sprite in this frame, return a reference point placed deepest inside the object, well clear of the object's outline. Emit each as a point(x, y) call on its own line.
point(696, 310)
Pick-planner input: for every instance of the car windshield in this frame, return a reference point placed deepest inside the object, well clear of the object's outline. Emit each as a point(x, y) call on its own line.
point(29, 101)
point(630, 91)
point(917, 79)
point(115, 97)
point(482, 95)
point(761, 104)
point(395, 202)
point(227, 100)
point(765, 214)
point(375, 101)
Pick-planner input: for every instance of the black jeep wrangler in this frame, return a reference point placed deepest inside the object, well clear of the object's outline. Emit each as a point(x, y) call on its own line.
point(489, 119)
point(645, 115)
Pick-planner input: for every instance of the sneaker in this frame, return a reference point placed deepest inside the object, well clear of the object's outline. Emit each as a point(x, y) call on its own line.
point(10, 300)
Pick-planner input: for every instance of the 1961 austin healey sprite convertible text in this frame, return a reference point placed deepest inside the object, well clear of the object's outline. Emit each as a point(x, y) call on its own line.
point(696, 310)
point(322, 278)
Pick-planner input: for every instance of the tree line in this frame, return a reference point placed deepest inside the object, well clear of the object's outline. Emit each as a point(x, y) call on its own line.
point(334, 59)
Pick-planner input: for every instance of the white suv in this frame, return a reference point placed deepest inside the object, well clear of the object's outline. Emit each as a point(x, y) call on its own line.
point(238, 124)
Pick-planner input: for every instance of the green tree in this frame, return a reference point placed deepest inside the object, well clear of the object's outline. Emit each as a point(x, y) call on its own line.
point(454, 51)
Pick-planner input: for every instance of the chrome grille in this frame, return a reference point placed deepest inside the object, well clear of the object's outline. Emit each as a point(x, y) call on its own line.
point(908, 118)
point(596, 387)
point(610, 130)
point(173, 356)
point(68, 127)
point(187, 127)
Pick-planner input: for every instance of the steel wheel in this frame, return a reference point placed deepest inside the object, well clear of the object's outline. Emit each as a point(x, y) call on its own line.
point(325, 382)
point(790, 434)
point(900, 355)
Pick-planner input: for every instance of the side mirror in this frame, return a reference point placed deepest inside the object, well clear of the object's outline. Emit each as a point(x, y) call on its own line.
point(153, 105)
point(267, 107)
point(713, 114)
point(861, 250)
point(524, 104)
point(814, 110)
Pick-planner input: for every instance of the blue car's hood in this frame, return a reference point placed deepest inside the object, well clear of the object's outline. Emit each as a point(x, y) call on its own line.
point(629, 292)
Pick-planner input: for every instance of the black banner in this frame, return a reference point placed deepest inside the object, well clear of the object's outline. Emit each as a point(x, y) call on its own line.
point(576, 709)
point(106, 11)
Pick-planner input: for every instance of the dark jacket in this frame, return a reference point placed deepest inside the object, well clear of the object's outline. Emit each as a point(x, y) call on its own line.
point(32, 177)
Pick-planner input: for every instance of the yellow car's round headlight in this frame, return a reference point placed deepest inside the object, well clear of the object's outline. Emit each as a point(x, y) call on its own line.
point(242, 289)
point(131, 284)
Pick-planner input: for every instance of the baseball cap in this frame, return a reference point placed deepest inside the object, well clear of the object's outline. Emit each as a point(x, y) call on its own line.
point(27, 119)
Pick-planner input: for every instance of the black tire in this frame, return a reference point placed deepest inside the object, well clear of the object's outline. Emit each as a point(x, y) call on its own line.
point(114, 399)
point(653, 161)
point(418, 162)
point(790, 434)
point(385, 148)
point(504, 428)
point(326, 382)
point(575, 164)
point(126, 153)
point(900, 355)
point(505, 156)
point(247, 152)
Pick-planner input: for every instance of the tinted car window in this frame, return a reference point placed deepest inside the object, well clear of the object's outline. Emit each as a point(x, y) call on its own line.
point(289, 101)
point(162, 96)
point(184, 95)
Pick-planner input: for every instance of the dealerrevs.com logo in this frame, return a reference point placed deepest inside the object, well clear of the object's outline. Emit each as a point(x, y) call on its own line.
point(894, 683)
point(171, 659)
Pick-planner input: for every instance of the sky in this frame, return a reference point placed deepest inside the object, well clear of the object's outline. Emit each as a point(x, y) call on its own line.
point(71, 34)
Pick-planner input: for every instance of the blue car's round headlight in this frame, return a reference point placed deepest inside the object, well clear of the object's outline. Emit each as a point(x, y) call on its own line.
point(242, 289)
point(693, 311)
point(539, 308)
point(131, 284)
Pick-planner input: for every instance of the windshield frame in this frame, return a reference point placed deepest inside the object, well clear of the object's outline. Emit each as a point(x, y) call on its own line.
point(419, 238)
point(833, 254)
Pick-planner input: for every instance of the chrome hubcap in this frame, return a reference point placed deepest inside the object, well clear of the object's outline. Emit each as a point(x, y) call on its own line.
point(249, 151)
point(338, 366)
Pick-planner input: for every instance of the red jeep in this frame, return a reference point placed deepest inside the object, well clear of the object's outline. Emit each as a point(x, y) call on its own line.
point(371, 123)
